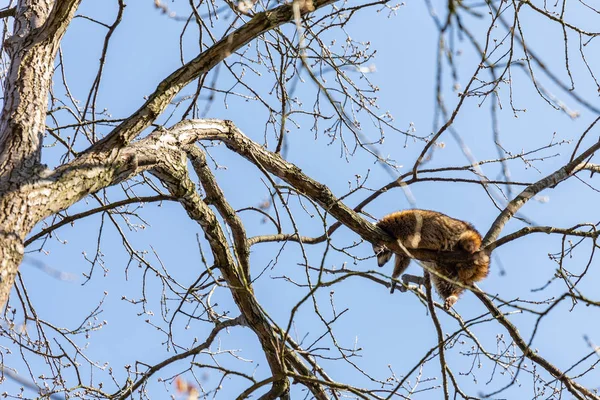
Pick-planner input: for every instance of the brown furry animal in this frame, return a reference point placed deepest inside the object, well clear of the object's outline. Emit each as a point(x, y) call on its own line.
point(431, 230)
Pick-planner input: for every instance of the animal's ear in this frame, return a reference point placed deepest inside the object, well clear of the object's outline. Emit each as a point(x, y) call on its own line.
point(383, 255)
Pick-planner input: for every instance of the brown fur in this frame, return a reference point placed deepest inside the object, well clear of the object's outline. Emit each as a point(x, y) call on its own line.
point(431, 230)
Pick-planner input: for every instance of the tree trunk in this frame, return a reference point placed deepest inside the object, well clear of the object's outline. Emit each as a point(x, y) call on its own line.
point(38, 28)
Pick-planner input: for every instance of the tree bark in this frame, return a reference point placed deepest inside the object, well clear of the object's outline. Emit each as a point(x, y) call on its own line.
point(38, 29)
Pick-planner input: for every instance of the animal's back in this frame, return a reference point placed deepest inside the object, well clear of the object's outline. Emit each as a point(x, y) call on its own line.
point(426, 229)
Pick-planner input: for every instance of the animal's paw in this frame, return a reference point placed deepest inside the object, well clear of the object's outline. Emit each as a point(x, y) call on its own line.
point(407, 278)
point(401, 288)
point(450, 301)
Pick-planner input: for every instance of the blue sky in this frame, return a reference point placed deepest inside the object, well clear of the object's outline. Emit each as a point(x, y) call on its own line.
point(394, 331)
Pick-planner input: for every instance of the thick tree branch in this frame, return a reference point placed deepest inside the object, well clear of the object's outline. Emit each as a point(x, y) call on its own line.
point(174, 175)
point(216, 197)
point(9, 12)
point(227, 132)
point(592, 167)
point(59, 19)
point(296, 363)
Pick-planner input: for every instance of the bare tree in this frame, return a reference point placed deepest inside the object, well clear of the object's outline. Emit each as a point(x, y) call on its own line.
point(64, 158)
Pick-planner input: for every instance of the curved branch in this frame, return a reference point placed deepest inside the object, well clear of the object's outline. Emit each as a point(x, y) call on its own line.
point(228, 133)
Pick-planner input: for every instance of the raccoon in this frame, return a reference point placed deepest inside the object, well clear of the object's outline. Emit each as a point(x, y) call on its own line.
point(431, 230)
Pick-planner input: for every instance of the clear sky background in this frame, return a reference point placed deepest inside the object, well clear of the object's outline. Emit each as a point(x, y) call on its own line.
point(393, 331)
